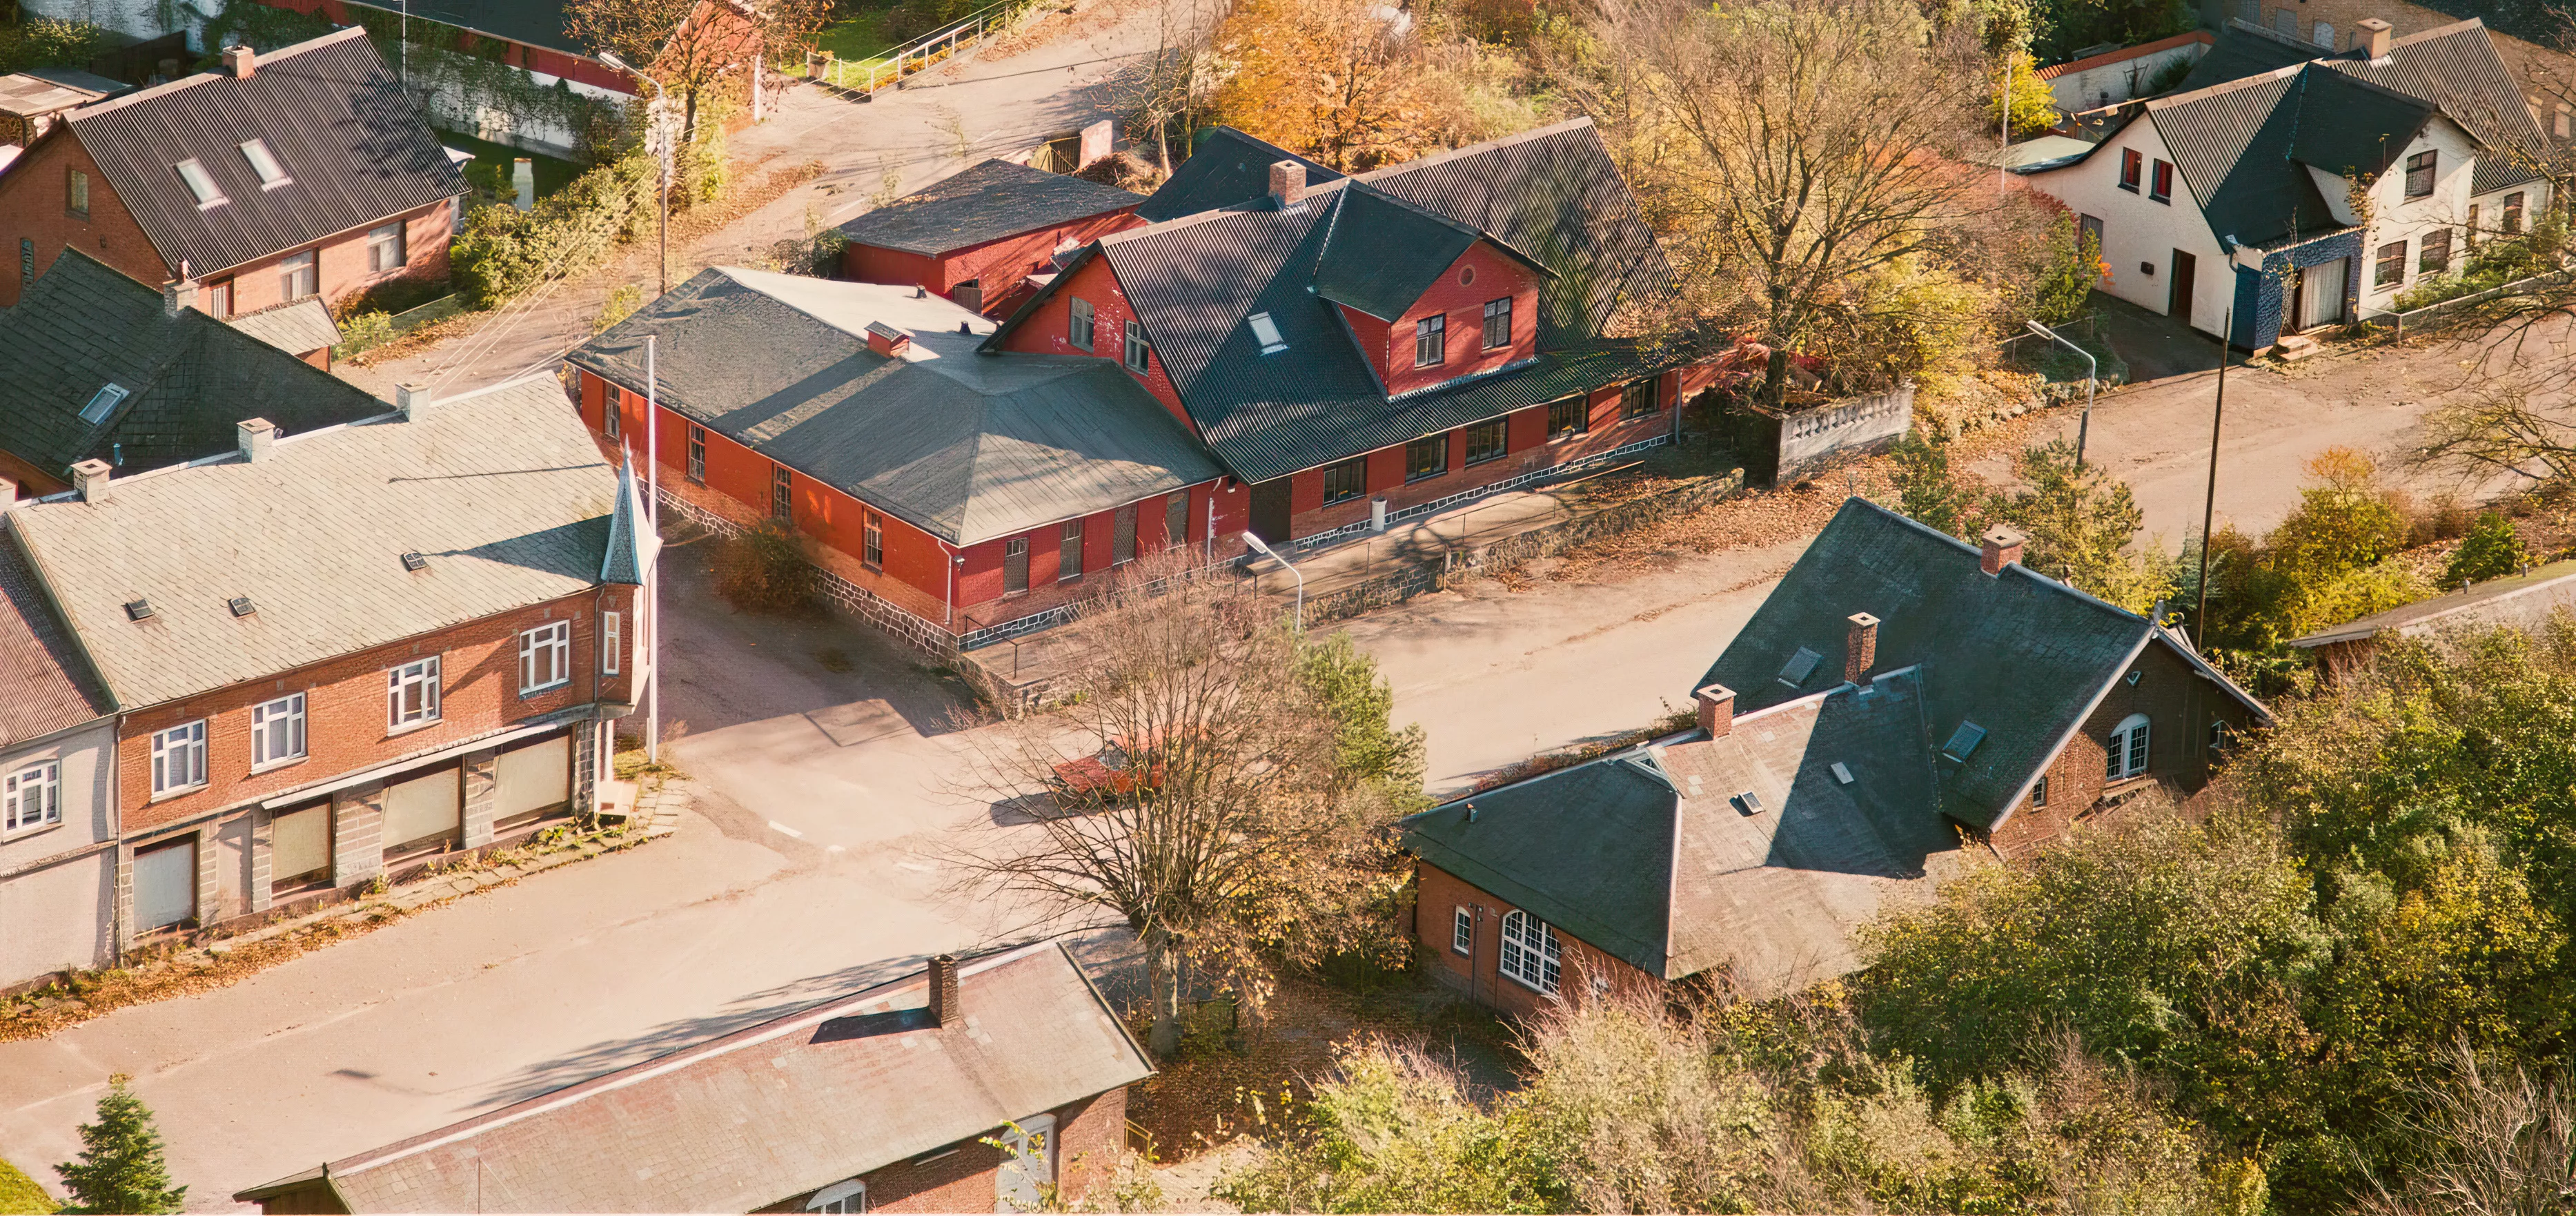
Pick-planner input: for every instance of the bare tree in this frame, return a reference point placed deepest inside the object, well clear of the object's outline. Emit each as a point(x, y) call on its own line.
point(2498, 431)
point(1167, 92)
point(1190, 792)
point(2492, 1145)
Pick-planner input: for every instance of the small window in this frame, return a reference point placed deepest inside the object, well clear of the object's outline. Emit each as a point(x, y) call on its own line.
point(103, 402)
point(851, 1196)
point(1078, 326)
point(1426, 457)
point(2039, 792)
point(697, 453)
point(612, 643)
point(2091, 227)
point(1498, 323)
point(1487, 441)
point(2433, 253)
point(299, 276)
point(1963, 741)
point(200, 185)
point(1122, 536)
point(2124, 754)
point(264, 163)
point(2131, 164)
point(2419, 174)
point(32, 797)
point(612, 412)
point(2513, 214)
point(1799, 667)
point(2162, 190)
point(1572, 416)
point(1345, 481)
point(2391, 269)
point(872, 541)
point(1462, 931)
point(219, 299)
point(1176, 518)
point(1068, 552)
point(1015, 566)
point(387, 248)
point(1637, 399)
point(411, 694)
point(545, 657)
point(2218, 738)
point(179, 758)
point(76, 193)
point(1266, 332)
point(277, 731)
point(782, 494)
point(1531, 952)
point(1431, 341)
point(1138, 354)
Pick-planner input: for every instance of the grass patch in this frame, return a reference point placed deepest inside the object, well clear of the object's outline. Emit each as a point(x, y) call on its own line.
point(857, 37)
point(20, 1194)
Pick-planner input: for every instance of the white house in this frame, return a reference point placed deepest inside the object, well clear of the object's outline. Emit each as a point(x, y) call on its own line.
point(57, 790)
point(2308, 194)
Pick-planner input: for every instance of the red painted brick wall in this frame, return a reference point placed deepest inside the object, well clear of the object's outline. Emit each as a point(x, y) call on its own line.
point(1482, 273)
point(1045, 331)
point(1090, 1135)
point(1437, 895)
point(33, 194)
point(343, 263)
point(2179, 704)
point(1000, 264)
point(345, 711)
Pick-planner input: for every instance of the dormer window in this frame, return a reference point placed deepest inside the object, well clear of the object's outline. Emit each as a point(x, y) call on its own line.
point(103, 402)
point(1431, 341)
point(264, 163)
point(200, 184)
point(1266, 332)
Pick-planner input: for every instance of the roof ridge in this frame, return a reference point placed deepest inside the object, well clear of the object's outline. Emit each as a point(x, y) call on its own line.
point(167, 88)
point(1251, 207)
point(1534, 133)
point(2173, 100)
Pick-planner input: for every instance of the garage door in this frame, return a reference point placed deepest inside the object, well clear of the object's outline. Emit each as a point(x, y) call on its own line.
point(533, 779)
point(165, 885)
point(56, 918)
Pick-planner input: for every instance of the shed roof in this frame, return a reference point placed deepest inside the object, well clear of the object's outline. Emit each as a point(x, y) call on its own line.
point(40, 91)
point(965, 446)
point(354, 149)
point(2525, 601)
point(777, 1110)
point(990, 201)
point(502, 490)
point(299, 328)
point(49, 685)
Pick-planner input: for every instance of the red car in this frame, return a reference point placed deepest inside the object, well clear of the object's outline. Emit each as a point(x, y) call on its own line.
point(1102, 777)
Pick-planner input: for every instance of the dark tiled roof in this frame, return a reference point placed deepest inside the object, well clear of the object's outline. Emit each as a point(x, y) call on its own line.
point(1382, 252)
point(985, 203)
point(533, 22)
point(190, 378)
point(49, 685)
point(329, 110)
point(2241, 51)
point(2457, 67)
point(963, 445)
point(737, 1123)
point(1226, 168)
point(2246, 147)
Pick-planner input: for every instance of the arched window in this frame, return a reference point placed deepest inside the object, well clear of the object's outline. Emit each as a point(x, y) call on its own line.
point(1531, 953)
point(2124, 754)
point(851, 1196)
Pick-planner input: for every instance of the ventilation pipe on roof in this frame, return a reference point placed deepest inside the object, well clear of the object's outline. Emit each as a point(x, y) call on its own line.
point(241, 62)
point(1860, 648)
point(2374, 37)
point(258, 436)
point(1287, 183)
point(2000, 547)
point(944, 1009)
point(89, 480)
point(1716, 709)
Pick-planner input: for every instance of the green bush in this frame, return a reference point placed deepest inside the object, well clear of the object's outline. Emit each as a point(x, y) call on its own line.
point(45, 42)
point(763, 569)
point(504, 251)
point(2490, 550)
point(20, 1196)
point(362, 332)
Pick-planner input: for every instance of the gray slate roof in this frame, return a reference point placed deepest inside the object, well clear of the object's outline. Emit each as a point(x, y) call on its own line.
point(298, 328)
point(503, 491)
point(330, 111)
point(49, 685)
point(1226, 168)
point(1381, 253)
point(2524, 601)
point(965, 446)
point(985, 203)
point(780, 1109)
point(1646, 855)
point(190, 378)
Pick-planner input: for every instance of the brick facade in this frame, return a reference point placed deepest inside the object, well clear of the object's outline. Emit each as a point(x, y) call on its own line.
point(2180, 704)
point(1437, 897)
point(999, 266)
point(341, 264)
point(964, 1177)
point(1049, 330)
point(1458, 296)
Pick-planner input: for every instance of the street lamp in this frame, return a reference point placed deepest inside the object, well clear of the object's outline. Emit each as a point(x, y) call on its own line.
point(2092, 376)
point(1264, 550)
point(660, 141)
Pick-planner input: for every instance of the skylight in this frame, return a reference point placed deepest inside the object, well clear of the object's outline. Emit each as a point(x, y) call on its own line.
point(241, 605)
point(1747, 803)
point(1842, 772)
point(103, 403)
point(1964, 740)
point(136, 610)
point(1799, 667)
point(1267, 332)
point(264, 163)
point(199, 183)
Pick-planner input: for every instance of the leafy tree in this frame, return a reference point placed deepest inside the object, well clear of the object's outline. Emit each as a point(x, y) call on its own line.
point(692, 47)
point(2491, 550)
point(1928, 492)
point(1342, 80)
point(120, 1168)
point(2034, 107)
point(2067, 279)
point(2079, 522)
point(1367, 747)
point(1393, 1130)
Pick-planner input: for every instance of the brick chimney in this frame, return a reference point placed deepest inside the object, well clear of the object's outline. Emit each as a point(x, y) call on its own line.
point(1287, 183)
point(89, 480)
point(411, 399)
point(176, 295)
point(2374, 35)
point(2001, 546)
point(1716, 709)
point(258, 437)
point(1860, 647)
point(944, 1008)
point(241, 61)
point(884, 339)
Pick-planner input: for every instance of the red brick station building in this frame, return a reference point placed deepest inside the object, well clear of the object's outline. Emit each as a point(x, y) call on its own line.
point(1047, 379)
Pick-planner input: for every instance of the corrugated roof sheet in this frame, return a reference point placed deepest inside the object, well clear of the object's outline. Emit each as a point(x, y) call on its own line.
point(189, 379)
point(963, 445)
point(354, 149)
point(1226, 168)
point(48, 684)
point(502, 490)
point(298, 328)
point(786, 1107)
point(985, 203)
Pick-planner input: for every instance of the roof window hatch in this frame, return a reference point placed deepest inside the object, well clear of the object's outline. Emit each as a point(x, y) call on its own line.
point(103, 402)
point(1799, 667)
point(1266, 331)
point(264, 163)
point(200, 183)
point(1964, 740)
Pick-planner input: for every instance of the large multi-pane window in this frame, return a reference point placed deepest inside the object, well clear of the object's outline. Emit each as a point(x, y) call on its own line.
point(1572, 416)
point(411, 694)
point(32, 797)
point(277, 731)
point(1345, 481)
point(1426, 457)
point(387, 249)
point(2124, 754)
point(179, 758)
point(1487, 440)
point(1637, 399)
point(545, 656)
point(1531, 952)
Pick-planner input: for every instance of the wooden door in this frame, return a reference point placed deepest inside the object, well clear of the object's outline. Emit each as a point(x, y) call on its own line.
point(2178, 306)
point(1270, 510)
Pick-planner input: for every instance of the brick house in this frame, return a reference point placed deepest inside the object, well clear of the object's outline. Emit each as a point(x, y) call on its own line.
point(347, 653)
point(1975, 703)
point(301, 173)
point(103, 367)
point(979, 236)
point(57, 797)
point(966, 1088)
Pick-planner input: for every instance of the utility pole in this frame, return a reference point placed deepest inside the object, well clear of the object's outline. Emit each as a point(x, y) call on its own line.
point(653, 573)
point(406, 82)
point(657, 139)
point(2209, 505)
point(2092, 376)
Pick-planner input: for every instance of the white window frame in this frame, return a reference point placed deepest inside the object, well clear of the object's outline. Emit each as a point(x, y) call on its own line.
point(382, 236)
point(851, 1196)
point(549, 645)
point(283, 716)
point(201, 185)
point(2125, 751)
point(291, 270)
point(32, 798)
point(1138, 351)
point(1081, 324)
point(264, 165)
point(1534, 960)
point(1462, 931)
point(612, 642)
point(180, 750)
point(422, 674)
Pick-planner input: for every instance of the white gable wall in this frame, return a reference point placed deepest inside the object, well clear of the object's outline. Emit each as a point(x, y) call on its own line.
point(2395, 218)
point(2140, 235)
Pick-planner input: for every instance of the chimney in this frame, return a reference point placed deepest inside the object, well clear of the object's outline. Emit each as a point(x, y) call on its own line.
point(1860, 648)
point(2374, 35)
point(1716, 709)
point(258, 436)
point(89, 480)
point(176, 295)
point(241, 61)
point(411, 399)
point(944, 1010)
point(2002, 547)
point(1287, 183)
point(884, 339)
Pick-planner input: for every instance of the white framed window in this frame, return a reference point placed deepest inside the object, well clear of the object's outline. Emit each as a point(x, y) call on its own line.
point(200, 184)
point(277, 731)
point(612, 642)
point(851, 1196)
point(179, 758)
point(299, 275)
point(388, 248)
point(1531, 952)
point(1137, 349)
point(1462, 932)
point(32, 797)
point(411, 694)
point(2124, 754)
point(545, 657)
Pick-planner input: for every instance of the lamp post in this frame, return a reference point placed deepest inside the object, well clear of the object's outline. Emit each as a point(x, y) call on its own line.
point(2092, 376)
point(1264, 550)
point(659, 141)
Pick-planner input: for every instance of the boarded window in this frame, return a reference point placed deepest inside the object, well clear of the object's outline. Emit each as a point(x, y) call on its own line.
point(165, 885)
point(532, 779)
point(299, 847)
point(423, 812)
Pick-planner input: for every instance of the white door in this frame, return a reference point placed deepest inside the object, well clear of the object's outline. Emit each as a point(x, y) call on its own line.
point(1030, 1150)
point(2321, 294)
